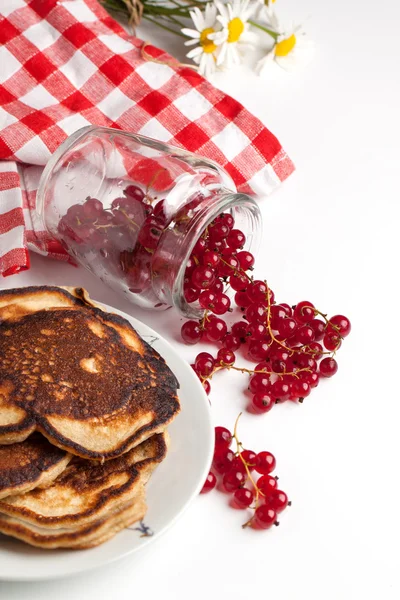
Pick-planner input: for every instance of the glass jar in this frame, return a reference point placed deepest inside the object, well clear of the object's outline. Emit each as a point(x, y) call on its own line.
point(131, 209)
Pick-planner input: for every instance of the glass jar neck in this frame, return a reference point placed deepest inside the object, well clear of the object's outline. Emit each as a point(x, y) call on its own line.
point(178, 240)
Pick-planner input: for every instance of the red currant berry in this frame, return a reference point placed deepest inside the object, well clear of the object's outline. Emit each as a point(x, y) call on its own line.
point(223, 437)
point(190, 266)
point(239, 282)
point(339, 324)
point(249, 458)
point(264, 517)
point(256, 312)
point(150, 234)
point(236, 239)
point(262, 403)
point(328, 367)
point(218, 231)
point(231, 342)
point(242, 300)
point(216, 329)
point(233, 480)
point(278, 501)
point(277, 313)
point(226, 219)
point(191, 332)
point(304, 312)
point(258, 350)
point(305, 361)
point(315, 349)
point(203, 277)
point(318, 328)
point(259, 383)
point(286, 327)
point(305, 335)
point(287, 308)
point(239, 329)
point(204, 364)
point(267, 484)
point(257, 331)
point(223, 458)
point(191, 294)
point(299, 390)
point(206, 299)
point(265, 463)
point(258, 291)
point(222, 304)
point(217, 287)
point(311, 378)
point(280, 390)
point(226, 357)
point(242, 498)
point(133, 191)
point(211, 259)
point(332, 341)
point(199, 247)
point(209, 483)
point(92, 208)
point(246, 260)
point(228, 266)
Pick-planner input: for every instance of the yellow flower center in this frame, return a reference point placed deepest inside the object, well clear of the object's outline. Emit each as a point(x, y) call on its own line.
point(208, 45)
point(235, 29)
point(284, 47)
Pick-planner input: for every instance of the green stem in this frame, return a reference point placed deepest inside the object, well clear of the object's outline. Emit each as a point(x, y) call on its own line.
point(273, 34)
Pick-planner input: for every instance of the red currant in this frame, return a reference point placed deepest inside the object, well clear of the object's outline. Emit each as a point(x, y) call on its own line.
point(239, 329)
point(264, 517)
point(259, 383)
point(258, 350)
point(211, 259)
point(267, 484)
point(300, 389)
point(258, 291)
point(265, 463)
point(236, 239)
point(226, 357)
point(199, 247)
point(223, 437)
point(318, 328)
point(305, 335)
point(133, 191)
point(242, 498)
point(280, 390)
point(233, 480)
point(216, 329)
point(206, 299)
point(204, 364)
point(223, 458)
point(332, 341)
point(304, 312)
point(191, 294)
point(315, 349)
point(242, 299)
point(246, 260)
point(209, 483)
point(286, 327)
point(238, 282)
point(249, 458)
point(339, 324)
point(328, 367)
point(262, 403)
point(311, 378)
point(231, 342)
point(191, 332)
point(228, 266)
point(257, 331)
point(256, 312)
point(218, 231)
point(278, 501)
point(226, 219)
point(222, 304)
point(203, 277)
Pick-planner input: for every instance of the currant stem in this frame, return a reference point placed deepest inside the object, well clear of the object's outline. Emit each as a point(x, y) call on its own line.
point(239, 449)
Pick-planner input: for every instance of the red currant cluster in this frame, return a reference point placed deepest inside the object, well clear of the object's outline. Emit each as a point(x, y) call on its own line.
point(237, 472)
point(292, 346)
point(126, 235)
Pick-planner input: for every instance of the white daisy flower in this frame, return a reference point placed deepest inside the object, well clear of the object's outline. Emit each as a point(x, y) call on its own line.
point(206, 24)
point(290, 51)
point(235, 35)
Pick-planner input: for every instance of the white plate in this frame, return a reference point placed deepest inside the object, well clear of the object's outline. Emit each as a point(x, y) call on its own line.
point(172, 487)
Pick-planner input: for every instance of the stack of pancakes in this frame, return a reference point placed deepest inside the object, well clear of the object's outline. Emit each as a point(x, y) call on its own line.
point(84, 406)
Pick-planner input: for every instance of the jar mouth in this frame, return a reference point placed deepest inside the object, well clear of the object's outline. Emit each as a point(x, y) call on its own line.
point(247, 215)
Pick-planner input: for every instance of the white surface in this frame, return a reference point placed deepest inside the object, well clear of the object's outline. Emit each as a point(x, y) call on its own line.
point(331, 237)
point(171, 489)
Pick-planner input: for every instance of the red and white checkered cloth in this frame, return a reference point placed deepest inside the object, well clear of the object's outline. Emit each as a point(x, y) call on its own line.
point(65, 64)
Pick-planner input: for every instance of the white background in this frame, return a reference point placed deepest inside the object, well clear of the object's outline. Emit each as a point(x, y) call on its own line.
point(331, 236)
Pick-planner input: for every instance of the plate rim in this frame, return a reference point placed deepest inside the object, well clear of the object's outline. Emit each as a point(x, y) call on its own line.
point(136, 323)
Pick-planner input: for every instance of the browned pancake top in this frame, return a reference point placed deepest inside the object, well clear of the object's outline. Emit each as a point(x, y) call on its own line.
point(65, 362)
point(25, 462)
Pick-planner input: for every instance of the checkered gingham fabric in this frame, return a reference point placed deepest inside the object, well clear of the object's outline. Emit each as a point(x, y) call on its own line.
point(65, 64)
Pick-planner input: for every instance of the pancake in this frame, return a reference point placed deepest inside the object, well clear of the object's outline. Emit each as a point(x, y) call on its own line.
point(79, 375)
point(87, 492)
point(30, 464)
point(83, 537)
